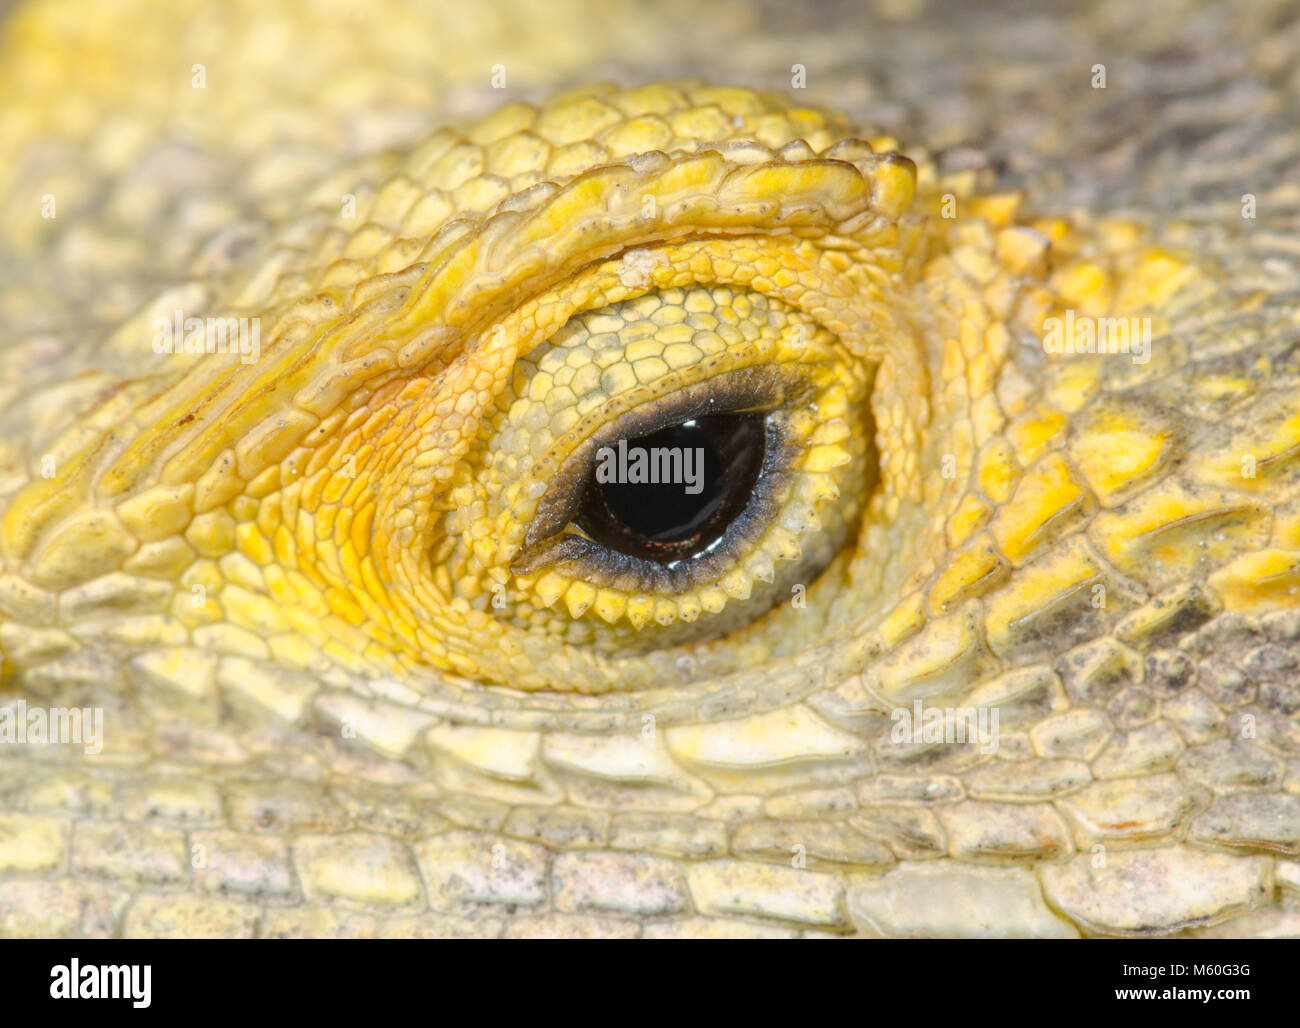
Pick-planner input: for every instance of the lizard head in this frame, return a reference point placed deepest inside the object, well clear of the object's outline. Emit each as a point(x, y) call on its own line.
point(355, 517)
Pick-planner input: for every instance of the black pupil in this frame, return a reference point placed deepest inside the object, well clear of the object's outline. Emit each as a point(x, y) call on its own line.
point(671, 494)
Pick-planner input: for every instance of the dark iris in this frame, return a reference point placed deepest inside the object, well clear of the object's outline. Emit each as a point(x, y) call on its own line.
point(671, 494)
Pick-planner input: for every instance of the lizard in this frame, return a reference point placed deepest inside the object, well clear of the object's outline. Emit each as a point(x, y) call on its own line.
point(358, 671)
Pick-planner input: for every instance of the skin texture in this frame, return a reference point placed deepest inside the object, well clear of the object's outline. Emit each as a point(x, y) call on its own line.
point(337, 701)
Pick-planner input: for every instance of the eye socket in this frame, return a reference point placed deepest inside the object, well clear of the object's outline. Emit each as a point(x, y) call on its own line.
point(685, 458)
point(670, 495)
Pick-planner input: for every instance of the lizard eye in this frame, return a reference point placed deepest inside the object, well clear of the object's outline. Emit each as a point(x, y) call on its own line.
point(672, 495)
point(694, 454)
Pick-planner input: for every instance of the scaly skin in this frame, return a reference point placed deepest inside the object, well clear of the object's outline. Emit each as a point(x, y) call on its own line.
point(337, 702)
